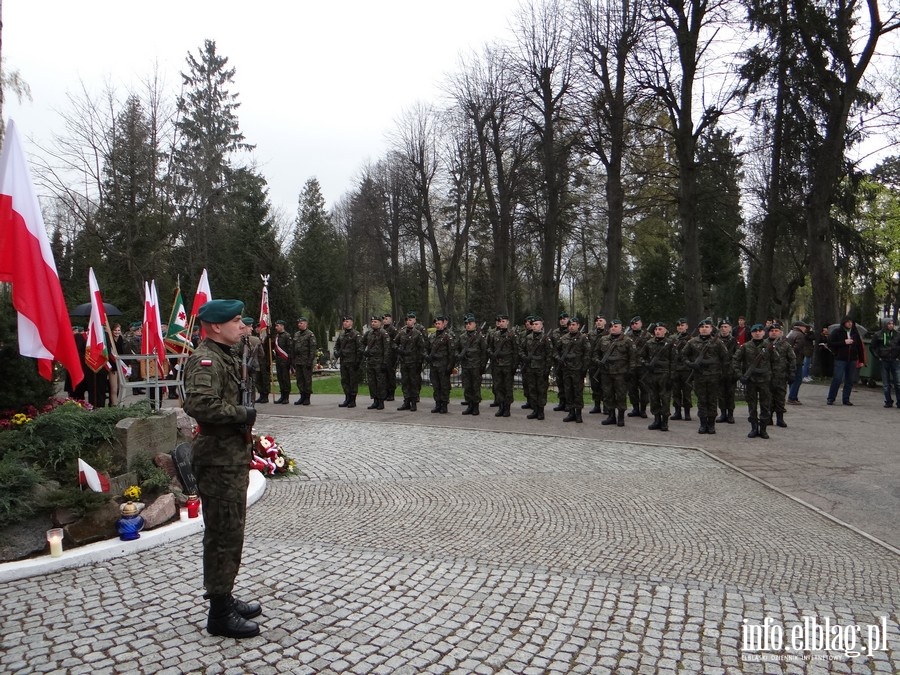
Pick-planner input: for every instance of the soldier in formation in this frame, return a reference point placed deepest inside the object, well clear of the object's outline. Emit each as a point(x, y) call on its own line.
point(593, 374)
point(783, 372)
point(753, 362)
point(282, 348)
point(348, 348)
point(387, 324)
point(726, 393)
point(440, 359)
point(682, 391)
point(637, 386)
point(471, 355)
point(377, 350)
point(656, 358)
point(304, 359)
point(707, 358)
point(503, 356)
point(574, 359)
point(614, 357)
point(536, 356)
point(410, 346)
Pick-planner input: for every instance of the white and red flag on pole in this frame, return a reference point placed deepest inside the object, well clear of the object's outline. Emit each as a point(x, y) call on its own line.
point(264, 313)
point(26, 261)
point(203, 294)
point(151, 329)
point(96, 355)
point(88, 475)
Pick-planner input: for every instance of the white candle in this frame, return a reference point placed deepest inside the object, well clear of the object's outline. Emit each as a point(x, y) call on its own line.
point(183, 514)
point(55, 538)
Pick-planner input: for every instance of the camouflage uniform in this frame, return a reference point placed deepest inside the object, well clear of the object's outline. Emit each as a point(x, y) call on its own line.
point(614, 357)
point(410, 347)
point(726, 392)
point(594, 374)
point(682, 390)
point(221, 459)
point(783, 369)
point(390, 379)
point(304, 357)
point(656, 358)
point(708, 358)
point(440, 359)
point(752, 364)
point(504, 357)
point(377, 350)
point(536, 356)
point(471, 354)
point(574, 360)
point(283, 349)
point(638, 387)
point(348, 348)
point(555, 336)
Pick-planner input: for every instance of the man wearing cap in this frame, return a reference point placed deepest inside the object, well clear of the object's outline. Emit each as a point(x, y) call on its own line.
point(503, 355)
point(491, 334)
point(707, 357)
point(521, 337)
point(555, 336)
point(282, 348)
point(349, 349)
point(885, 345)
point(410, 345)
point(638, 389)
point(656, 358)
point(682, 388)
point(304, 358)
point(441, 357)
point(594, 374)
point(253, 348)
point(783, 370)
point(614, 357)
point(536, 355)
point(377, 350)
point(726, 393)
point(574, 358)
point(220, 463)
point(387, 325)
point(801, 342)
point(471, 355)
point(752, 363)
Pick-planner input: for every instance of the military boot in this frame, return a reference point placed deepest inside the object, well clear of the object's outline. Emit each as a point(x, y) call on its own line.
point(657, 422)
point(380, 404)
point(494, 404)
point(533, 415)
point(578, 419)
point(754, 429)
point(610, 419)
point(571, 416)
point(248, 610)
point(595, 410)
point(345, 402)
point(412, 405)
point(687, 414)
point(444, 408)
point(506, 407)
point(526, 406)
point(225, 621)
point(299, 401)
point(664, 423)
point(704, 425)
point(779, 420)
point(559, 407)
point(643, 410)
point(500, 407)
point(634, 412)
point(723, 416)
point(475, 409)
point(404, 405)
point(437, 407)
point(374, 405)
point(468, 410)
point(306, 398)
point(677, 415)
point(540, 412)
point(729, 417)
point(262, 399)
point(620, 419)
point(762, 430)
point(352, 402)
point(710, 425)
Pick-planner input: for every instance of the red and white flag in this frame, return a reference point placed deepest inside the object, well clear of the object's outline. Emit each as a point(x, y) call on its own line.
point(88, 475)
point(96, 355)
point(26, 261)
point(203, 294)
point(151, 328)
point(264, 313)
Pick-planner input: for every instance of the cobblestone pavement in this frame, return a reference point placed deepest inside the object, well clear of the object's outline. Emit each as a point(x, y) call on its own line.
point(411, 549)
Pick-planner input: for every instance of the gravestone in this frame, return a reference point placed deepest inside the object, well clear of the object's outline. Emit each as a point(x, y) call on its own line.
point(182, 456)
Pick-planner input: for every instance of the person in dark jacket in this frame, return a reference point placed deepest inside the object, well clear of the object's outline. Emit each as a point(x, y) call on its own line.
point(849, 352)
point(885, 345)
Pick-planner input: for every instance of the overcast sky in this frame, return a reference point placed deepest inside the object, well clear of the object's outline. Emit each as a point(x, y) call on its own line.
point(320, 83)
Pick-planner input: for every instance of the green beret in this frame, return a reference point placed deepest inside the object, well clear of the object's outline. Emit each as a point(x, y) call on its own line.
point(706, 322)
point(575, 319)
point(410, 315)
point(537, 318)
point(248, 320)
point(563, 315)
point(280, 321)
point(135, 325)
point(302, 318)
point(220, 311)
point(635, 319)
point(757, 326)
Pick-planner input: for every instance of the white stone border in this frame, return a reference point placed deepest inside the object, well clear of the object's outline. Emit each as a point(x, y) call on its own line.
point(114, 548)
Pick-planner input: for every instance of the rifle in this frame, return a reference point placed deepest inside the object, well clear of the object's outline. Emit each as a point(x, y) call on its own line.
point(246, 382)
point(609, 350)
point(655, 359)
point(756, 362)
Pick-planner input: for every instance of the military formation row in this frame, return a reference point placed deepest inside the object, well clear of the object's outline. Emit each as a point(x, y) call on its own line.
point(655, 370)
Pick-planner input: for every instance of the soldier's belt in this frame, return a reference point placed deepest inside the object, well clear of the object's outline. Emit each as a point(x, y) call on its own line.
point(221, 430)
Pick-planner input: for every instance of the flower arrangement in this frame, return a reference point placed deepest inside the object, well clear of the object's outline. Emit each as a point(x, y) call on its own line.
point(269, 458)
point(132, 493)
point(16, 420)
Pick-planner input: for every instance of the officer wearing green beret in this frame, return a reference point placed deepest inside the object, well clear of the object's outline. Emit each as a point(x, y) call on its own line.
point(349, 349)
point(221, 453)
point(283, 348)
point(304, 357)
point(471, 355)
point(574, 358)
point(441, 357)
point(708, 358)
point(614, 356)
point(536, 355)
point(410, 345)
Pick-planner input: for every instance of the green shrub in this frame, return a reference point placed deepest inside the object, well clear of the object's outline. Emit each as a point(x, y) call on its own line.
point(21, 383)
point(75, 499)
point(17, 483)
point(151, 478)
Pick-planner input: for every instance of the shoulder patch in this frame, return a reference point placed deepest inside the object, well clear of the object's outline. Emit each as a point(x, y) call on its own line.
point(206, 362)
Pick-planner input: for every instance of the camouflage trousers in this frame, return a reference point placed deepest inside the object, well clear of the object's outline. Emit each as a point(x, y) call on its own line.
point(615, 391)
point(660, 395)
point(350, 378)
point(471, 382)
point(759, 400)
point(411, 380)
point(537, 387)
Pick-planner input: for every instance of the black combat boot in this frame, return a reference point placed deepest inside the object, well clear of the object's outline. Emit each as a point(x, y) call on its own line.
point(526, 406)
point(500, 407)
point(248, 610)
point(437, 407)
point(468, 410)
point(657, 422)
point(225, 621)
point(494, 404)
point(762, 430)
point(710, 425)
point(677, 415)
point(444, 408)
point(634, 412)
point(506, 407)
point(571, 416)
point(540, 412)
point(412, 405)
point(620, 420)
point(300, 400)
point(345, 402)
point(723, 417)
point(380, 404)
point(610, 419)
point(262, 399)
point(374, 405)
point(559, 407)
point(704, 427)
point(687, 414)
point(754, 429)
point(779, 420)
point(664, 423)
point(306, 398)
point(729, 417)
point(644, 411)
point(533, 415)
point(595, 410)
point(390, 396)
point(578, 419)
point(475, 409)
point(352, 402)
point(404, 405)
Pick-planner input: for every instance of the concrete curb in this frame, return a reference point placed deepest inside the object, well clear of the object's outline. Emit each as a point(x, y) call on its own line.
point(114, 548)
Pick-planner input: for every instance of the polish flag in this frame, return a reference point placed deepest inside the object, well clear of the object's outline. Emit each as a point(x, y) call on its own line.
point(264, 313)
point(96, 355)
point(203, 294)
point(151, 329)
point(26, 261)
point(88, 475)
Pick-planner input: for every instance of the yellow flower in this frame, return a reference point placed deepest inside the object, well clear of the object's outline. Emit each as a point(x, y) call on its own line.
point(20, 419)
point(132, 493)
